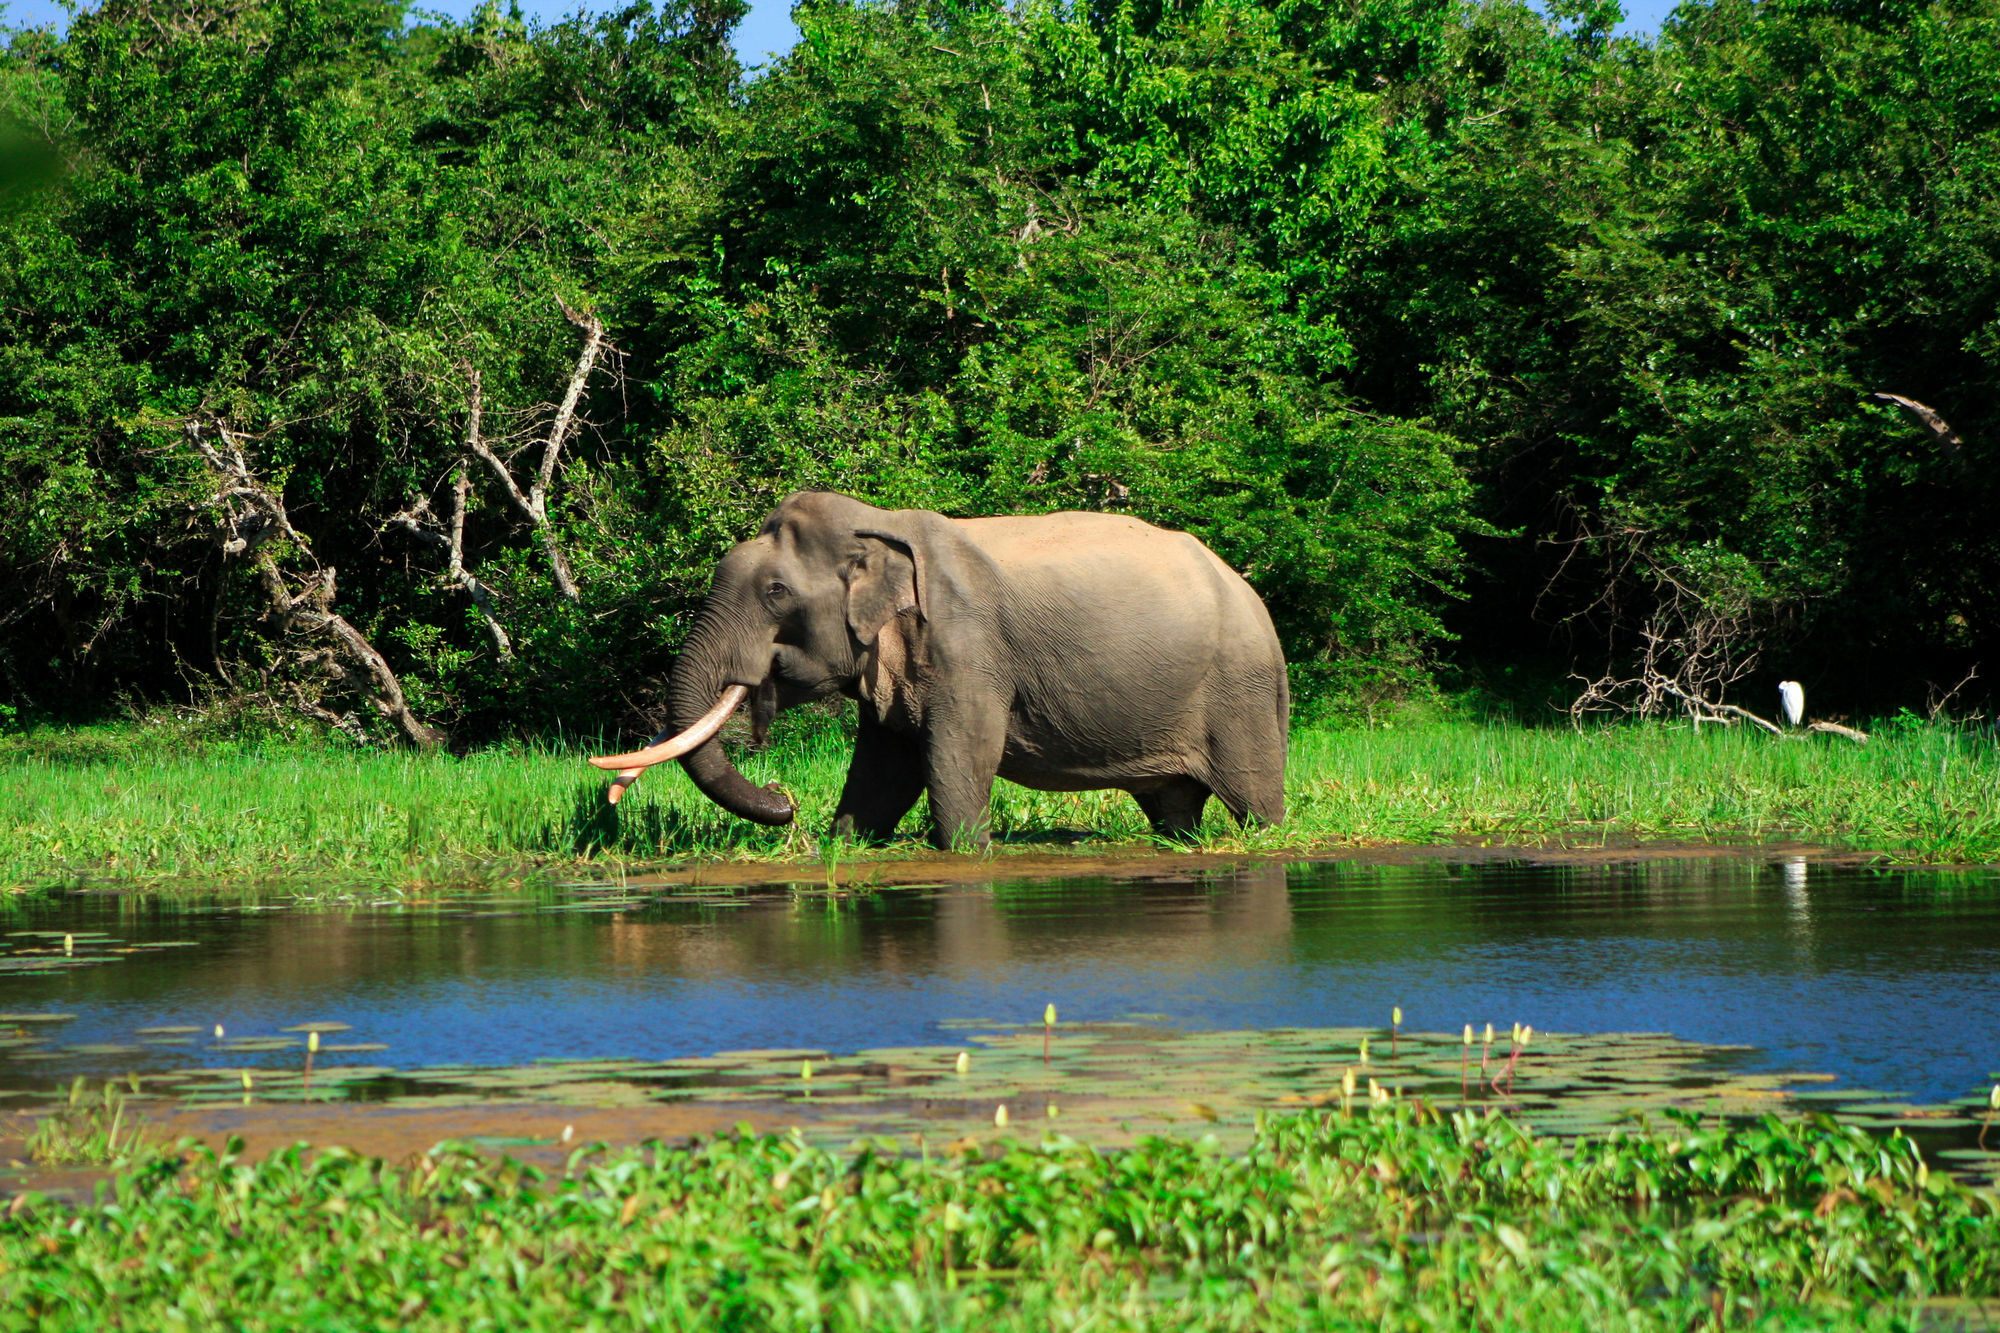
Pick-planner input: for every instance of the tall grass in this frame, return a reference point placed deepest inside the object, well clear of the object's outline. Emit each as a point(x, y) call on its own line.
point(1915, 791)
point(106, 806)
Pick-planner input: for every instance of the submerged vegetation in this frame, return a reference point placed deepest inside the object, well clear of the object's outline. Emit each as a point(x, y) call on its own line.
point(126, 806)
point(1401, 1214)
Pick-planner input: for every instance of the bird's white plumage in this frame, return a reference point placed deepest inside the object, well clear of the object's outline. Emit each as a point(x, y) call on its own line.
point(1792, 701)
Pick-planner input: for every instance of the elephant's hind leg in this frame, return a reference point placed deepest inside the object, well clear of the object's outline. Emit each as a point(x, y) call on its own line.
point(1174, 808)
point(1260, 801)
point(1247, 773)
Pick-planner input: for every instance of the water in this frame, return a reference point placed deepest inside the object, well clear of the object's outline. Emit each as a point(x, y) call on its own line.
point(1889, 980)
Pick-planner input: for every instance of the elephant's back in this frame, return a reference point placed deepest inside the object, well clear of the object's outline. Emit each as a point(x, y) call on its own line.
point(1077, 545)
point(1125, 620)
point(1119, 572)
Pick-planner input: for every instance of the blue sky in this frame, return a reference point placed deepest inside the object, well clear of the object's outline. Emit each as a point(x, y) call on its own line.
point(767, 31)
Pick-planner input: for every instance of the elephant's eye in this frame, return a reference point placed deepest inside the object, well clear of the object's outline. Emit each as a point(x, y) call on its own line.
point(777, 589)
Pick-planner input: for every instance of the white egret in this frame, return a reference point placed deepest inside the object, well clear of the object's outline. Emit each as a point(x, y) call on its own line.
point(1792, 701)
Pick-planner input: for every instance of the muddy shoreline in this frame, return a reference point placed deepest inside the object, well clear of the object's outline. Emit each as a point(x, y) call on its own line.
point(926, 868)
point(942, 868)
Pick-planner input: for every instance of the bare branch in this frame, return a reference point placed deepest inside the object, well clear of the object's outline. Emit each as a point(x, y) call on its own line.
point(1940, 429)
point(1939, 707)
point(411, 522)
point(1706, 710)
point(476, 442)
point(534, 502)
point(338, 721)
point(586, 361)
point(417, 520)
point(310, 609)
point(482, 595)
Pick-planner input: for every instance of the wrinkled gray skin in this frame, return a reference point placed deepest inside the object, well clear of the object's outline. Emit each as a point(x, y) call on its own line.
point(1068, 652)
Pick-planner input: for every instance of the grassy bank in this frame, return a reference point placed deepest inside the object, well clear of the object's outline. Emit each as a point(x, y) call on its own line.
point(1399, 1220)
point(130, 805)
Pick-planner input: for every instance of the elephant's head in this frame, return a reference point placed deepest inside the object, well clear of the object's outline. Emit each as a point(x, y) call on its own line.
point(795, 613)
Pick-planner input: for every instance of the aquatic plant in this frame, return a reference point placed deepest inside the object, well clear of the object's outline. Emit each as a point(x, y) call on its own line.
point(1403, 1218)
point(84, 1130)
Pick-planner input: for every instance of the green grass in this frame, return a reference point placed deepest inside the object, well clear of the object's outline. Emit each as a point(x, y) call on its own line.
point(126, 805)
point(1399, 1220)
point(1917, 792)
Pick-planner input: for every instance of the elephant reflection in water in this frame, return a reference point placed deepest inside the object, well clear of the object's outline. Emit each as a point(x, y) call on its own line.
point(971, 929)
point(1064, 652)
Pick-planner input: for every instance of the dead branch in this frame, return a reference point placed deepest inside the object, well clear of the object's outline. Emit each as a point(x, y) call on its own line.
point(1940, 429)
point(1835, 729)
point(252, 514)
point(1708, 710)
point(418, 521)
point(340, 722)
point(1940, 702)
point(1696, 641)
point(534, 502)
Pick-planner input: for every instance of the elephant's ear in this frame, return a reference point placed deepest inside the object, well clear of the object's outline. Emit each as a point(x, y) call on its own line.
point(882, 584)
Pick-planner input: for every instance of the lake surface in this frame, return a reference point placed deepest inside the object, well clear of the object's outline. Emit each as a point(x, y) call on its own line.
point(1888, 979)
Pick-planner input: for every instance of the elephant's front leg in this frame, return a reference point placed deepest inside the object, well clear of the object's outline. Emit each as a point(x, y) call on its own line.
point(884, 780)
point(963, 747)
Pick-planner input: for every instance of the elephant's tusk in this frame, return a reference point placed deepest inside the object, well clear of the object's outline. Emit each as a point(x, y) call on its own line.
point(630, 766)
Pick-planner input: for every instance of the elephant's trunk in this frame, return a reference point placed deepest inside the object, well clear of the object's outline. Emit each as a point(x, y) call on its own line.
point(720, 653)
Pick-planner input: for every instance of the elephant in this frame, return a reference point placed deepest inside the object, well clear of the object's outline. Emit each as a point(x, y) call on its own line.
point(1063, 652)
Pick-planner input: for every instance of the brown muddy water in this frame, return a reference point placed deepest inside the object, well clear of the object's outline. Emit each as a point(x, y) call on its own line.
point(1198, 996)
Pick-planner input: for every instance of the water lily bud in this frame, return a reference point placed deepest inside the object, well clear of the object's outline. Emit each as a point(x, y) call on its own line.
point(1049, 1016)
point(1052, 1110)
point(964, 1061)
point(1517, 1034)
point(1374, 1092)
point(569, 1132)
point(69, 944)
point(826, 1199)
point(1347, 1083)
point(806, 1070)
point(1000, 1116)
point(1396, 1016)
point(1489, 1034)
point(312, 1042)
point(218, 1032)
point(1527, 1031)
point(246, 1080)
point(1993, 1098)
point(1468, 1034)
point(1923, 1175)
point(781, 1181)
point(1364, 1050)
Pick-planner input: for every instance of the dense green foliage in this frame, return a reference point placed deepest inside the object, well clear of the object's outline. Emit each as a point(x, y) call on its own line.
point(162, 811)
point(1388, 301)
point(1464, 1222)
